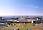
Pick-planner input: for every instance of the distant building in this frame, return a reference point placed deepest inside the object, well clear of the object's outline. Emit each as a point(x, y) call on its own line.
point(38, 20)
point(0, 18)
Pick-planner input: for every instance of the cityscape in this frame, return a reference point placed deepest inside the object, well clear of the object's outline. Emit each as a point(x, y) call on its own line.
point(21, 22)
point(21, 14)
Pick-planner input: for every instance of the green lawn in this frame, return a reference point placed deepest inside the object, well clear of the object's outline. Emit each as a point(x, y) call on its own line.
point(24, 26)
point(21, 26)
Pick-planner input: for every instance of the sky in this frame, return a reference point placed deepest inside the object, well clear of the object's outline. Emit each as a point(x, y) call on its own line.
point(21, 7)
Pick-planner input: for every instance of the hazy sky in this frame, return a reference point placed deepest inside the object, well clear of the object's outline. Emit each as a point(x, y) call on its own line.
point(21, 7)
